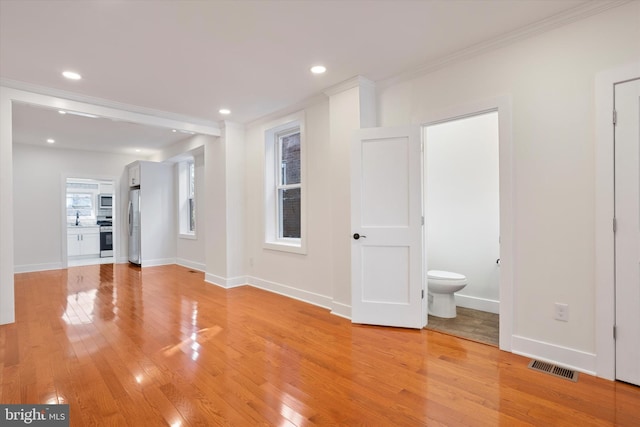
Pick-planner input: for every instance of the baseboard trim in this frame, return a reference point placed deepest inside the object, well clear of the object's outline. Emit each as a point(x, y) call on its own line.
point(546, 352)
point(225, 282)
point(157, 262)
point(287, 291)
point(482, 304)
point(340, 309)
point(191, 264)
point(30, 268)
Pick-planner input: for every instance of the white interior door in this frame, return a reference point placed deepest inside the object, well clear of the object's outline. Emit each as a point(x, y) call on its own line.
point(386, 219)
point(627, 236)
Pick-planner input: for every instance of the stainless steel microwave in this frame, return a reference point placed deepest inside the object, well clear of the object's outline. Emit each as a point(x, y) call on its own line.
point(105, 201)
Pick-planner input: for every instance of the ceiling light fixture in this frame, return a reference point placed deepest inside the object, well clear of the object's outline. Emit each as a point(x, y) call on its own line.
point(62, 112)
point(173, 130)
point(50, 141)
point(71, 75)
point(318, 69)
point(224, 111)
point(138, 150)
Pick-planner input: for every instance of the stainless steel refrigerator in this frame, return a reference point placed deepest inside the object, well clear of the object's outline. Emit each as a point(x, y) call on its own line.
point(134, 227)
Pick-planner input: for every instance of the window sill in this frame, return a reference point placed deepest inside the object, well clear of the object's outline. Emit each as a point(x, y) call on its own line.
point(295, 247)
point(188, 236)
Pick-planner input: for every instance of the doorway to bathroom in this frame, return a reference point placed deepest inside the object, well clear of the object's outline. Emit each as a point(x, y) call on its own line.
point(462, 220)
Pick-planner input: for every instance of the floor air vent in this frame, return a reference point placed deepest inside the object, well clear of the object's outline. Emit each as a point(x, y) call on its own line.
point(554, 370)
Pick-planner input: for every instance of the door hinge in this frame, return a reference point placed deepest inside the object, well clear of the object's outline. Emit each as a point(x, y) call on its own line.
point(615, 225)
point(423, 294)
point(422, 219)
point(615, 117)
point(614, 332)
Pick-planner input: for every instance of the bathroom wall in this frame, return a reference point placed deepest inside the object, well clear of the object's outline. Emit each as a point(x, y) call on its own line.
point(462, 205)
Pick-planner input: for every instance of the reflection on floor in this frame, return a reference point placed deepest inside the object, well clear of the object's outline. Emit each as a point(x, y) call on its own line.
point(470, 324)
point(89, 261)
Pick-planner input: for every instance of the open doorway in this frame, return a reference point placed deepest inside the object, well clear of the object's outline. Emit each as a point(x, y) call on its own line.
point(90, 219)
point(462, 224)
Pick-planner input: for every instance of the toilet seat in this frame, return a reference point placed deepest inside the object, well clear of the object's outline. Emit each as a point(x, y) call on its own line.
point(439, 277)
point(444, 275)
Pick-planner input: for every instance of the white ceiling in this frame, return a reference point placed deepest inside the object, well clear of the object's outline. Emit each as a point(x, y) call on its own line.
point(191, 58)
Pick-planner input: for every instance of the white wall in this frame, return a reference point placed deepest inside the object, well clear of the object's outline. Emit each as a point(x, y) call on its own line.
point(190, 251)
point(39, 190)
point(550, 79)
point(463, 205)
point(303, 276)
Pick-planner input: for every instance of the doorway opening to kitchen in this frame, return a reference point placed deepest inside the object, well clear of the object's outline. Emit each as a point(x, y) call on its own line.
point(89, 221)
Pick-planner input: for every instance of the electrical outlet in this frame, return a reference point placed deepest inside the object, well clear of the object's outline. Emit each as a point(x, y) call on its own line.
point(562, 312)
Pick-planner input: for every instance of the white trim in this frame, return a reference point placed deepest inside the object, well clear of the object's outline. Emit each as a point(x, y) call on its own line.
point(475, 303)
point(227, 283)
point(566, 357)
point(188, 236)
point(191, 264)
point(270, 203)
point(142, 115)
point(340, 309)
point(157, 262)
point(299, 294)
point(30, 268)
point(605, 262)
point(582, 11)
point(351, 83)
point(502, 104)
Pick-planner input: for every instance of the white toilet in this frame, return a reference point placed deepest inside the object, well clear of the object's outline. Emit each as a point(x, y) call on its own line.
point(441, 286)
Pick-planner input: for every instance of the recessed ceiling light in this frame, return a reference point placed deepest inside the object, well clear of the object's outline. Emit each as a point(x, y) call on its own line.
point(173, 130)
point(318, 69)
point(138, 150)
point(224, 111)
point(51, 141)
point(62, 112)
point(71, 75)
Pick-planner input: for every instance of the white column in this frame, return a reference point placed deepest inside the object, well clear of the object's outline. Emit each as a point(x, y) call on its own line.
point(351, 106)
point(7, 300)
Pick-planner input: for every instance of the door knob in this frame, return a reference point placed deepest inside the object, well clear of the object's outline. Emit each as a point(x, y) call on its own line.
point(356, 236)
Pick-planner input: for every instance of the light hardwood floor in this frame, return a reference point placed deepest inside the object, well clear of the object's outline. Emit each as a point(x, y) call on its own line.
point(159, 346)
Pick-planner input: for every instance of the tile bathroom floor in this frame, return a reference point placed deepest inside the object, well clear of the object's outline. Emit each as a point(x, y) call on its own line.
point(471, 324)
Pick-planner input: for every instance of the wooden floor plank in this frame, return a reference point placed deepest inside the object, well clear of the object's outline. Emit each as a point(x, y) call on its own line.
point(159, 346)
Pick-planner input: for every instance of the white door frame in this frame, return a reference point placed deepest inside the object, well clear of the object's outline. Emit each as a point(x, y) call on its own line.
point(502, 105)
point(604, 209)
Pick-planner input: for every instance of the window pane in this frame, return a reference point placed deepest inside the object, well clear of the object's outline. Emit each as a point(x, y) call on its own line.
point(290, 161)
point(192, 179)
point(192, 215)
point(289, 213)
point(80, 203)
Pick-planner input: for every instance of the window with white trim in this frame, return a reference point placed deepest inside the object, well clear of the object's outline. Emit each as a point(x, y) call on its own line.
point(284, 178)
point(186, 196)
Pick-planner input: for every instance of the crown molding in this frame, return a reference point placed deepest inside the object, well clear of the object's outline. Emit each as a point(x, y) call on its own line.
point(356, 81)
point(74, 96)
point(293, 108)
point(583, 11)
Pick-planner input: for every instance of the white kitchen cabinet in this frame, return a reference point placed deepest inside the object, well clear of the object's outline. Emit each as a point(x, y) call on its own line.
point(134, 174)
point(83, 241)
